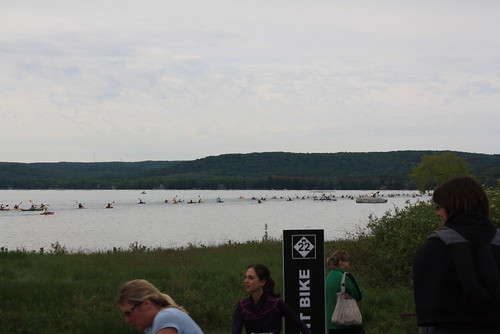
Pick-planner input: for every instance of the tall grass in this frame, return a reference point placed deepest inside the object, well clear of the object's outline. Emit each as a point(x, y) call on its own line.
point(53, 291)
point(57, 292)
point(74, 293)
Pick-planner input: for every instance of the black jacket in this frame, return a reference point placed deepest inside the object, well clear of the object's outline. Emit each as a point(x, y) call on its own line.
point(265, 316)
point(457, 275)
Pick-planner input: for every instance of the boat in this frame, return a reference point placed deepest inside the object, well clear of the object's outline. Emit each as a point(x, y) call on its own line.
point(199, 201)
point(371, 200)
point(325, 198)
point(47, 213)
point(35, 207)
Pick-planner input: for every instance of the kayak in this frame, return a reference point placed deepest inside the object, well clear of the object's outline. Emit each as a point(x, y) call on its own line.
point(47, 213)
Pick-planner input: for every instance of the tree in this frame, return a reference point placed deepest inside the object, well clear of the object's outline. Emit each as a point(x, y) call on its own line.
point(435, 169)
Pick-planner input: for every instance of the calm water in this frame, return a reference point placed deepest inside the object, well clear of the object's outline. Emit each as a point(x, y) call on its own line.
point(160, 224)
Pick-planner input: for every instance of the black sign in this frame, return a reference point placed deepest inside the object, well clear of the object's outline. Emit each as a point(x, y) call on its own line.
point(304, 277)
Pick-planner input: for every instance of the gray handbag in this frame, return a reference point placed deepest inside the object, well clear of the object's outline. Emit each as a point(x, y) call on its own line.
point(346, 311)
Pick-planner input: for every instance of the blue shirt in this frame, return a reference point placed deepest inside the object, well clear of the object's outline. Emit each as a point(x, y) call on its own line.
point(174, 318)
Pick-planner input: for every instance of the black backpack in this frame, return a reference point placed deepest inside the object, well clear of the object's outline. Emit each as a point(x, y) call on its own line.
point(477, 267)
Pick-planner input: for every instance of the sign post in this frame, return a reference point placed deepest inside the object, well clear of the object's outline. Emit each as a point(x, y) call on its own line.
point(304, 277)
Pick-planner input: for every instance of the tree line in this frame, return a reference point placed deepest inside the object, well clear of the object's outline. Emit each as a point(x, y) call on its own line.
point(268, 170)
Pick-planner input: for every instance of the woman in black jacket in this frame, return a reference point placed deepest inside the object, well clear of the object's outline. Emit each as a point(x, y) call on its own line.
point(263, 310)
point(457, 271)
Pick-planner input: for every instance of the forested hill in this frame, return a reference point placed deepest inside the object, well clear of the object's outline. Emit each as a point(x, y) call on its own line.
point(278, 170)
point(318, 164)
point(75, 175)
point(371, 170)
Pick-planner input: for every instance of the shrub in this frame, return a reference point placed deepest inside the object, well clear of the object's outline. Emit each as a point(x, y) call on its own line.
point(385, 248)
point(388, 243)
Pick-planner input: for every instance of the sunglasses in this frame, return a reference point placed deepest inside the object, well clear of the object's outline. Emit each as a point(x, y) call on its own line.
point(129, 312)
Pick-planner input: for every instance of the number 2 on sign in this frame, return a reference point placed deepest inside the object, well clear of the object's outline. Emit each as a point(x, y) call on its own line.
point(303, 246)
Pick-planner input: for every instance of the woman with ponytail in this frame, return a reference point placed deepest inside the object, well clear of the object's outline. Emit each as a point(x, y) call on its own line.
point(263, 310)
point(149, 310)
point(339, 263)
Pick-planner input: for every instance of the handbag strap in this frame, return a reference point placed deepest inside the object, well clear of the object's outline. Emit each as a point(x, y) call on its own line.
point(342, 283)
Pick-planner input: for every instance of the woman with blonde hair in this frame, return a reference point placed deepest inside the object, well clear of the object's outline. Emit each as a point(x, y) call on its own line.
point(339, 263)
point(149, 310)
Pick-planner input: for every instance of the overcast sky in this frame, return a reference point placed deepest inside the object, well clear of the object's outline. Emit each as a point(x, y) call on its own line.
point(181, 80)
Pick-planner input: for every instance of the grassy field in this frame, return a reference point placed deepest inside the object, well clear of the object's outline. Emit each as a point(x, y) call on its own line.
point(58, 292)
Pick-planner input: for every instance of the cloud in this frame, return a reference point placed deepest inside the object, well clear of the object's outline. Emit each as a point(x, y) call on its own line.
point(164, 80)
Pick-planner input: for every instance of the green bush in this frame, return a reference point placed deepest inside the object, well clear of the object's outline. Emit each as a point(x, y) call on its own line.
point(385, 248)
point(388, 243)
point(494, 197)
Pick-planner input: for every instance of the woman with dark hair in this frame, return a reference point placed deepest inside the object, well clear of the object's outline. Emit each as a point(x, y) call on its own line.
point(263, 310)
point(457, 271)
point(339, 263)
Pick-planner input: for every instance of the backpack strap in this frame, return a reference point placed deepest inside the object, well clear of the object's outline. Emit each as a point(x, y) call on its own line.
point(475, 266)
point(449, 236)
point(496, 239)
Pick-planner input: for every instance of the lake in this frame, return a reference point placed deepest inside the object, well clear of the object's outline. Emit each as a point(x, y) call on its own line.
point(158, 224)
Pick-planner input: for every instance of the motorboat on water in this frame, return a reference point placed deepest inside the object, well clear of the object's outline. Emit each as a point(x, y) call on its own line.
point(374, 198)
point(371, 200)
